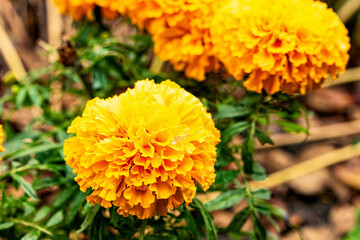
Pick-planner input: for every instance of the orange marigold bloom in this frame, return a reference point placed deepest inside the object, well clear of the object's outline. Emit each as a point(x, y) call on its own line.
point(2, 149)
point(180, 32)
point(144, 150)
point(285, 45)
point(79, 9)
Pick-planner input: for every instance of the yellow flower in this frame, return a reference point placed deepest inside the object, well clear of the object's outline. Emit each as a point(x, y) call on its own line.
point(285, 45)
point(79, 9)
point(2, 149)
point(180, 31)
point(145, 150)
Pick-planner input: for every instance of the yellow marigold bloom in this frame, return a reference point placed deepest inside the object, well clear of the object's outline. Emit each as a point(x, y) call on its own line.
point(181, 31)
point(144, 150)
point(79, 9)
point(2, 149)
point(285, 45)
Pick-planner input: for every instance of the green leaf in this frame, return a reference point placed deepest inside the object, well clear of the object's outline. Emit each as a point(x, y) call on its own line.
point(239, 220)
point(263, 138)
point(209, 222)
point(225, 200)
point(99, 79)
point(262, 194)
point(55, 219)
point(75, 206)
point(63, 197)
point(33, 235)
point(259, 173)
point(228, 111)
point(42, 213)
point(28, 189)
point(6, 225)
point(291, 127)
point(233, 130)
point(259, 229)
point(34, 95)
point(247, 154)
point(89, 218)
point(190, 221)
point(226, 176)
point(36, 149)
point(20, 97)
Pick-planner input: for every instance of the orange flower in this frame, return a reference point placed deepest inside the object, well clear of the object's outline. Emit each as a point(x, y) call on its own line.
point(145, 150)
point(285, 45)
point(2, 149)
point(79, 9)
point(180, 32)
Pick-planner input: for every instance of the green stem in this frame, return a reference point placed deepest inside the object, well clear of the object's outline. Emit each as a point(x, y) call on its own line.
point(142, 230)
point(29, 224)
point(87, 85)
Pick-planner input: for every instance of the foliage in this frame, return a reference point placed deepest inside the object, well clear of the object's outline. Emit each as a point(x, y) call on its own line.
point(94, 63)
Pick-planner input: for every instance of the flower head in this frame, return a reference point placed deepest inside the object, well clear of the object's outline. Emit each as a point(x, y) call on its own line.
point(79, 9)
point(285, 45)
point(144, 150)
point(180, 31)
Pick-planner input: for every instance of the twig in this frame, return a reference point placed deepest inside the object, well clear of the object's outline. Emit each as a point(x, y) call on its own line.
point(348, 10)
point(156, 65)
point(54, 24)
point(316, 134)
point(11, 56)
point(297, 170)
point(350, 75)
point(308, 166)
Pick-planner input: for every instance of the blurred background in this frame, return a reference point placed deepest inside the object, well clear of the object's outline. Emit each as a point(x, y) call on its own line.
point(324, 204)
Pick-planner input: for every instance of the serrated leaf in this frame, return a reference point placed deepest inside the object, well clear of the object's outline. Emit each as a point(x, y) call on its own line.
point(34, 95)
point(228, 111)
point(20, 97)
point(226, 176)
point(55, 219)
point(239, 220)
point(209, 222)
point(234, 130)
point(89, 218)
point(259, 229)
point(36, 149)
point(226, 200)
point(263, 138)
point(42, 213)
point(292, 127)
point(75, 206)
point(64, 196)
point(247, 154)
point(191, 224)
point(6, 225)
point(27, 187)
point(262, 193)
point(33, 235)
point(259, 173)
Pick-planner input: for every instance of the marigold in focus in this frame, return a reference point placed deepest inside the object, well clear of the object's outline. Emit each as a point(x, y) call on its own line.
point(145, 150)
point(80, 9)
point(285, 45)
point(180, 30)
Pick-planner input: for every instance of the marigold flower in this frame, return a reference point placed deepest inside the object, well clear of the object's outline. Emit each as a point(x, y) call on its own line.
point(2, 149)
point(79, 9)
point(144, 150)
point(180, 31)
point(285, 45)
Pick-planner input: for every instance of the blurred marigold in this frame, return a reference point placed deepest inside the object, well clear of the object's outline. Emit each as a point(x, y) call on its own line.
point(79, 9)
point(285, 45)
point(2, 149)
point(181, 31)
point(144, 150)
